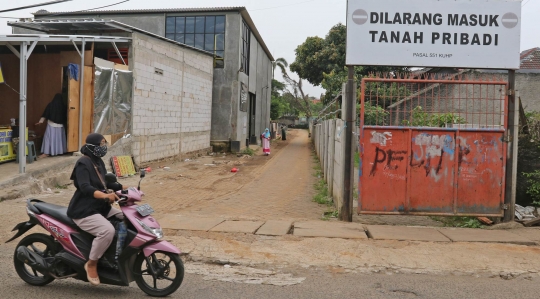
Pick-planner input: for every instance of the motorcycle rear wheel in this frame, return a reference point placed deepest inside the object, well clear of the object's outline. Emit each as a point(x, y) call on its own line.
point(153, 273)
point(41, 244)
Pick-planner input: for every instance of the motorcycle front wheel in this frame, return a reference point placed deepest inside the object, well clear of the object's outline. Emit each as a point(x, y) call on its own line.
point(159, 274)
point(44, 246)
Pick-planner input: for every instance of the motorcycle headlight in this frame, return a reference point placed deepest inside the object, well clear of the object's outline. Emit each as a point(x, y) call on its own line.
point(158, 232)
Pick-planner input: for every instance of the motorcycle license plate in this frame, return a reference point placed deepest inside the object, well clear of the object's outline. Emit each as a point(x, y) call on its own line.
point(145, 210)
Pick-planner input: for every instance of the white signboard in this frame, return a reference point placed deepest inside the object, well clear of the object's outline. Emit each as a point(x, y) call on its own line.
point(434, 33)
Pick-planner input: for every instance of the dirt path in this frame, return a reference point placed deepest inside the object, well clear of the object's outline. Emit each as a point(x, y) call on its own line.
point(281, 189)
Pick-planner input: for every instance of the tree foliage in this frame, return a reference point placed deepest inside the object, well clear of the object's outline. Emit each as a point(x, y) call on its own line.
point(322, 62)
point(374, 115)
point(420, 118)
point(279, 106)
point(281, 63)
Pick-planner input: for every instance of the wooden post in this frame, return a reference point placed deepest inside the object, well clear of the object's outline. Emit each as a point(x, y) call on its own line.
point(511, 154)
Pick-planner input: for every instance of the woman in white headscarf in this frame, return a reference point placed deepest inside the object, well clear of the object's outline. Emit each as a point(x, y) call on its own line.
point(265, 136)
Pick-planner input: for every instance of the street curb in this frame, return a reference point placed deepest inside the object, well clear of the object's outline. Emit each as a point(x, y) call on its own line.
point(369, 237)
point(34, 182)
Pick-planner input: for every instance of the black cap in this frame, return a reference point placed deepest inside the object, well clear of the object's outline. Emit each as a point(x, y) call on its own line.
point(94, 138)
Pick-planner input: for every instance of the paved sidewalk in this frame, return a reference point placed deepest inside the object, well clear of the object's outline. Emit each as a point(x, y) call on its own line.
point(335, 229)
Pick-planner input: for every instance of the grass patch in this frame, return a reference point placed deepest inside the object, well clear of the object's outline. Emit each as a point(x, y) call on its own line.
point(322, 195)
point(333, 213)
point(356, 160)
point(61, 187)
point(248, 151)
point(467, 222)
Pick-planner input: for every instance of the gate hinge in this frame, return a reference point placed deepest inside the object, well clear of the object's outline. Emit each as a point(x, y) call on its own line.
point(505, 207)
point(510, 92)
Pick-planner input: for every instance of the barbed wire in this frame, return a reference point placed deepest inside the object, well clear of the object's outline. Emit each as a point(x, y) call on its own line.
point(328, 106)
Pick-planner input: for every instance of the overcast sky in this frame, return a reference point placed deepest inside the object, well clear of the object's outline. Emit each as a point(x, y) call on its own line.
point(283, 24)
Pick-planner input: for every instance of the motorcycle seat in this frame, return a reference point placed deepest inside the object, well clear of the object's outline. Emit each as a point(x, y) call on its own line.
point(57, 212)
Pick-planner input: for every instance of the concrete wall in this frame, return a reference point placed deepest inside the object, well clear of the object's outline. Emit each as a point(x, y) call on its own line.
point(258, 82)
point(171, 112)
point(339, 155)
point(328, 141)
point(528, 85)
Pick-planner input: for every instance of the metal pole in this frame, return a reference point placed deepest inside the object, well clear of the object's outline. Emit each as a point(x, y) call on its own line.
point(81, 94)
point(347, 208)
point(511, 154)
point(22, 108)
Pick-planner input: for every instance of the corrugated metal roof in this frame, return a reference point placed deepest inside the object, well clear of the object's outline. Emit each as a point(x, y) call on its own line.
point(89, 25)
point(59, 39)
point(530, 59)
point(122, 11)
point(242, 10)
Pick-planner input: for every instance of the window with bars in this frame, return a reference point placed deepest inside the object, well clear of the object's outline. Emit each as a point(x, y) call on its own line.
point(246, 40)
point(202, 32)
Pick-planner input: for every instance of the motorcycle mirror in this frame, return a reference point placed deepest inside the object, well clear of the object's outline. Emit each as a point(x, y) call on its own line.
point(111, 178)
point(143, 174)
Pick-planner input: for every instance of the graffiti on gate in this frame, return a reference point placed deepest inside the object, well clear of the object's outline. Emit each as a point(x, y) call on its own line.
point(390, 158)
point(435, 154)
point(428, 152)
point(380, 138)
point(484, 151)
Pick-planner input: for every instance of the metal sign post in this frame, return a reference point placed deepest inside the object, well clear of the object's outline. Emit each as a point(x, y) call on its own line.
point(512, 151)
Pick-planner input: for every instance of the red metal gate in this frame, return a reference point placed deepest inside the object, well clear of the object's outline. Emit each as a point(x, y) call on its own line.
point(432, 145)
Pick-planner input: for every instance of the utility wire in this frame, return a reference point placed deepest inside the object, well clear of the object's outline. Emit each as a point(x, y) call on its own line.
point(525, 3)
point(63, 13)
point(35, 5)
point(90, 9)
point(282, 5)
point(5, 83)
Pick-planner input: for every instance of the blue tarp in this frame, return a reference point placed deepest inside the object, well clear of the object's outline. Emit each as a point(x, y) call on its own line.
point(73, 71)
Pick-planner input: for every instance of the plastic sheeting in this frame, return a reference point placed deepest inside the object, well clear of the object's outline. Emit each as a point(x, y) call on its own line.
point(113, 101)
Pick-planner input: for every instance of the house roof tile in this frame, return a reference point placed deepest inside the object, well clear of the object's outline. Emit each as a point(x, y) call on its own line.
point(530, 59)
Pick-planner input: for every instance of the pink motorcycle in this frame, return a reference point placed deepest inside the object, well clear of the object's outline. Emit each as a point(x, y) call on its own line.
point(137, 252)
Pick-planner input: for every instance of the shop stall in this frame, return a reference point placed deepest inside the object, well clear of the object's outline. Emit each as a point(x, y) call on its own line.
point(36, 67)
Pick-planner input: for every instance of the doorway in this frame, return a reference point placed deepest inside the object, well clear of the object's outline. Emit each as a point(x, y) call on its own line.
point(252, 120)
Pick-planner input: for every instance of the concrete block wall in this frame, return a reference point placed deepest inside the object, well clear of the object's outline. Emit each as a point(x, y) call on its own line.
point(339, 153)
point(328, 140)
point(331, 151)
point(171, 111)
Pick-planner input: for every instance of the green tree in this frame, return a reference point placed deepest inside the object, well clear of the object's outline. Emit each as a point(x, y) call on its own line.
point(420, 118)
point(277, 88)
point(281, 63)
point(279, 106)
point(322, 62)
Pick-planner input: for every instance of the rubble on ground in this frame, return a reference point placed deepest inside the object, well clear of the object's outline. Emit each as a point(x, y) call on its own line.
point(528, 215)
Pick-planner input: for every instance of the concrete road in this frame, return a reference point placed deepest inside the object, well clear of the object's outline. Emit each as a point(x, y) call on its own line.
point(318, 284)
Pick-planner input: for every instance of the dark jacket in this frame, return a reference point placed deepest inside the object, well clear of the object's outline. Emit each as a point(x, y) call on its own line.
point(56, 111)
point(86, 180)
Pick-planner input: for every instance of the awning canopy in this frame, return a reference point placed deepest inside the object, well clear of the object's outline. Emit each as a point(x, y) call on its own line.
point(64, 25)
point(59, 39)
point(90, 26)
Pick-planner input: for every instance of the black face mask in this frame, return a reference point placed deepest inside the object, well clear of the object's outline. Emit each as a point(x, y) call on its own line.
point(98, 151)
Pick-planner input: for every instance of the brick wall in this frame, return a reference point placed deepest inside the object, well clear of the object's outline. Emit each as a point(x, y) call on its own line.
point(171, 111)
